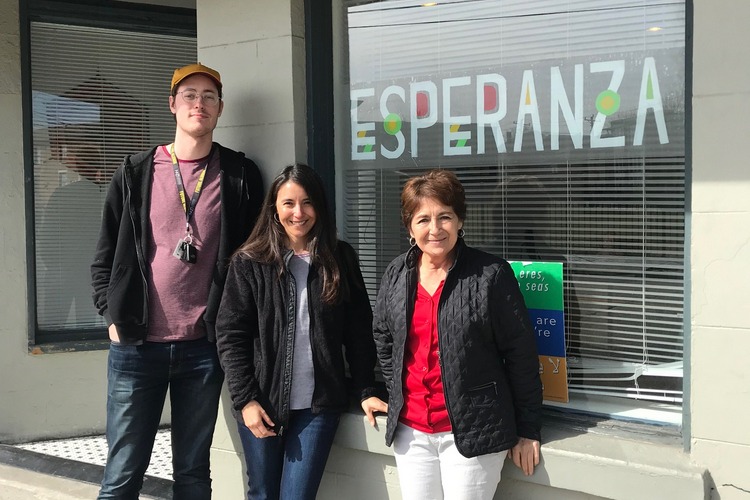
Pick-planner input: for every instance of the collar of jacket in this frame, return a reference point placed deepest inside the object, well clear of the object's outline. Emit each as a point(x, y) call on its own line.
point(412, 255)
point(287, 257)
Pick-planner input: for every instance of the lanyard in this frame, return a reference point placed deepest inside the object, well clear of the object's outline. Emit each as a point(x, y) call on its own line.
point(189, 210)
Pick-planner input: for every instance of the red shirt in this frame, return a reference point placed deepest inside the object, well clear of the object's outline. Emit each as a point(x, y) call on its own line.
point(424, 402)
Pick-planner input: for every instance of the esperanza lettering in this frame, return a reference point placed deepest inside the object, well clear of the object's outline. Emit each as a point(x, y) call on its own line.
point(491, 93)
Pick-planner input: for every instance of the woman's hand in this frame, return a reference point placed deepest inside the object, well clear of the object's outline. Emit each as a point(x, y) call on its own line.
point(371, 405)
point(257, 420)
point(525, 455)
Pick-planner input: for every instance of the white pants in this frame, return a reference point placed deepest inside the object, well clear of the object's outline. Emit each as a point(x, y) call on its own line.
point(431, 468)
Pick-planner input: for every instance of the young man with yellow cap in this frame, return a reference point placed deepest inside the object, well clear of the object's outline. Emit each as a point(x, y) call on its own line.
point(172, 218)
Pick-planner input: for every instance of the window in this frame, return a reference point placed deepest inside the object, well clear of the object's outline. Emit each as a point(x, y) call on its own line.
point(97, 94)
point(566, 126)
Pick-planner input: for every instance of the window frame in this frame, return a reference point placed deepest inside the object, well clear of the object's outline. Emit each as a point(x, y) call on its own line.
point(320, 99)
point(88, 13)
point(681, 420)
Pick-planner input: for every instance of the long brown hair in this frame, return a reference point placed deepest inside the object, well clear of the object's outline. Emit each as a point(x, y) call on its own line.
point(268, 241)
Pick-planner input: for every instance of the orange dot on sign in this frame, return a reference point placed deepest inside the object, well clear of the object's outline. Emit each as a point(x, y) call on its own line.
point(607, 102)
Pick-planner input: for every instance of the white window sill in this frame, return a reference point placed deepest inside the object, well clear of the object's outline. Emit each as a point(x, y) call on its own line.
point(598, 460)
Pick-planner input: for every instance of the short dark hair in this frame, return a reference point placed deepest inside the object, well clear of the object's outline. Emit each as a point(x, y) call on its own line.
point(438, 184)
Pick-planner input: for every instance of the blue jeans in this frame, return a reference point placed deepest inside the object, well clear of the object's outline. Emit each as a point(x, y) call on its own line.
point(138, 378)
point(289, 467)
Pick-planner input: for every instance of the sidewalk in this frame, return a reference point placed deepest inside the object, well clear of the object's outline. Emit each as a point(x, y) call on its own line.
point(26, 474)
point(21, 484)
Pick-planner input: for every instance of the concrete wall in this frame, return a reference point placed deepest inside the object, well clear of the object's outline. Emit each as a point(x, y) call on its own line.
point(576, 464)
point(259, 49)
point(720, 246)
point(43, 395)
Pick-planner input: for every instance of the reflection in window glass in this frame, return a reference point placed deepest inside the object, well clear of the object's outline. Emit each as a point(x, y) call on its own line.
point(97, 95)
point(566, 126)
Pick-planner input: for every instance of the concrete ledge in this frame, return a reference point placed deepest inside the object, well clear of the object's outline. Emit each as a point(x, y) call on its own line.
point(615, 463)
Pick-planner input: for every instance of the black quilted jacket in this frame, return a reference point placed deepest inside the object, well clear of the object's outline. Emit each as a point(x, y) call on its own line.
point(255, 337)
point(488, 356)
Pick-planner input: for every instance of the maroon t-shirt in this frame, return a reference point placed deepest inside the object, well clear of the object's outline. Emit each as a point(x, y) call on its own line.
point(178, 291)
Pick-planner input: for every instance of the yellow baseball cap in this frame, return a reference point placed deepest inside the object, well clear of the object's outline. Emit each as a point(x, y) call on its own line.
point(194, 69)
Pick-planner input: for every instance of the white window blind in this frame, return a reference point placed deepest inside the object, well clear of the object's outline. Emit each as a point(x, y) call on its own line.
point(97, 95)
point(606, 199)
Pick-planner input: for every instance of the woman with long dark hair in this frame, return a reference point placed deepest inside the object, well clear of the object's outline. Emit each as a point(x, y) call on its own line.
point(294, 296)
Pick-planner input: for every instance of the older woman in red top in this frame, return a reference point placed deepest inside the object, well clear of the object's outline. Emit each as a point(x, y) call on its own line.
point(457, 352)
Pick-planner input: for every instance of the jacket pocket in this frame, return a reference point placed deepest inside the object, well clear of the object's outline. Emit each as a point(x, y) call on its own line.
point(483, 396)
point(116, 277)
point(125, 296)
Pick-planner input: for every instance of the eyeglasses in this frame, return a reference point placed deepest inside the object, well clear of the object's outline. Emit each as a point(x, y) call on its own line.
point(209, 99)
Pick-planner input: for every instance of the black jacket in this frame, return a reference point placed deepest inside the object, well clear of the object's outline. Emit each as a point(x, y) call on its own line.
point(487, 351)
point(255, 336)
point(120, 271)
